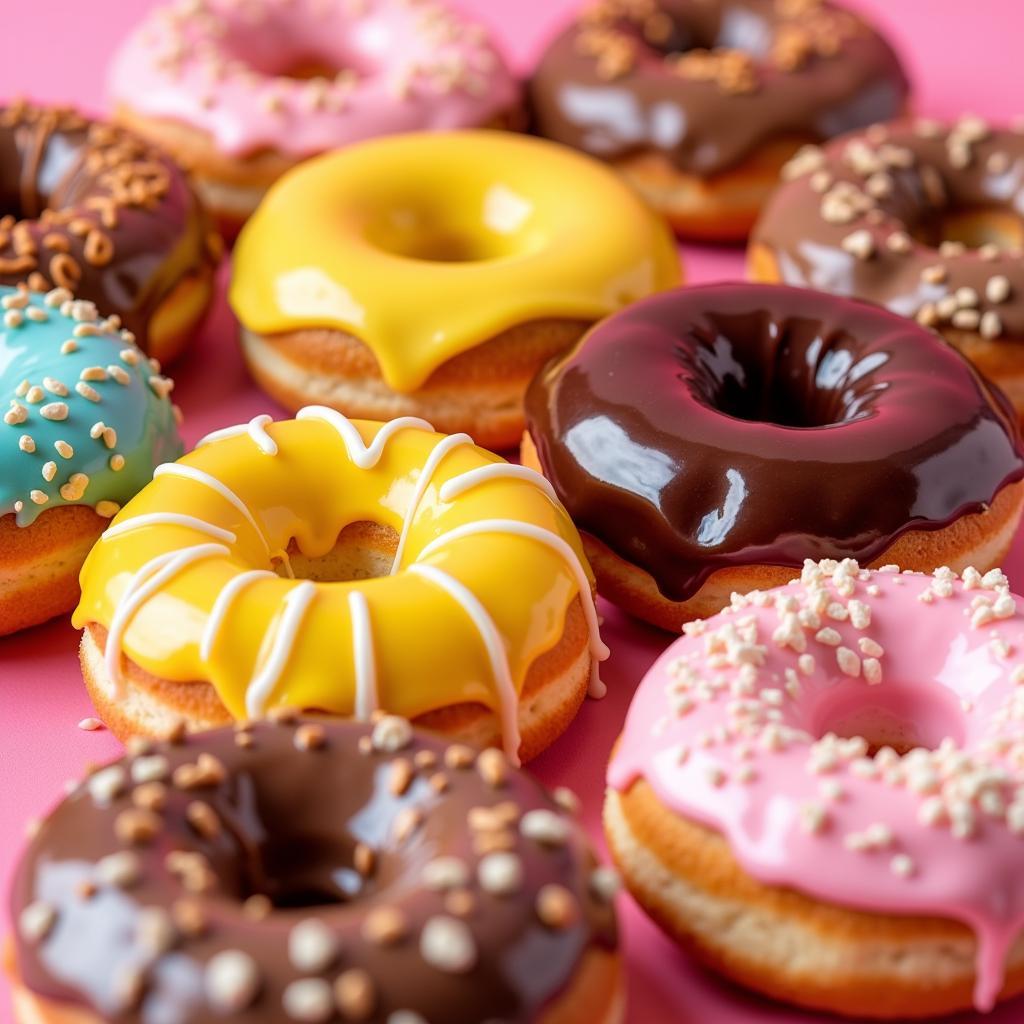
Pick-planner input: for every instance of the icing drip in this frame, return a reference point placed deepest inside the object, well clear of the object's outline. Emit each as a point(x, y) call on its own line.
point(363, 656)
point(222, 606)
point(507, 698)
point(256, 428)
point(262, 685)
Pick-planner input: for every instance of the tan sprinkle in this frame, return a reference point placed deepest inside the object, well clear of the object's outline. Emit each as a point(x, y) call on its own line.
point(90, 725)
point(39, 497)
point(203, 818)
point(458, 756)
point(120, 374)
point(93, 373)
point(151, 796)
point(406, 822)
point(121, 870)
point(444, 873)
point(391, 734)
point(75, 487)
point(88, 392)
point(137, 826)
point(107, 509)
point(70, 346)
point(556, 907)
point(493, 767)
point(355, 995)
point(309, 1000)
point(155, 931)
point(310, 737)
point(232, 981)
point(117, 462)
point(49, 471)
point(364, 859)
point(544, 827)
point(991, 325)
point(312, 946)
point(998, 289)
point(64, 450)
point(35, 395)
point(500, 873)
point(36, 921)
point(189, 917)
point(400, 776)
point(860, 244)
point(384, 926)
point(447, 944)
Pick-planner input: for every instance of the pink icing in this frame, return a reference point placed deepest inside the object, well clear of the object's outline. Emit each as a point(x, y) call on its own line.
point(732, 727)
point(398, 66)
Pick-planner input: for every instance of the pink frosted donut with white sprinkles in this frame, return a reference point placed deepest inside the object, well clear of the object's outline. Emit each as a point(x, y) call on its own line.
point(820, 791)
point(241, 90)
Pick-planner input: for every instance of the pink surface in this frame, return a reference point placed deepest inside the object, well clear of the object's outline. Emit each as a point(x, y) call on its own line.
point(964, 57)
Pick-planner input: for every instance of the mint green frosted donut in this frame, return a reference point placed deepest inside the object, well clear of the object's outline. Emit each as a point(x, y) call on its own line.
point(85, 416)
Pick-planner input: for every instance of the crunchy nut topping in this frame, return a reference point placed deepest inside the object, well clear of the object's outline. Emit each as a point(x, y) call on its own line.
point(36, 921)
point(312, 946)
point(500, 873)
point(355, 995)
point(384, 926)
point(544, 827)
point(445, 873)
point(556, 906)
point(391, 734)
point(309, 1000)
point(232, 981)
point(447, 944)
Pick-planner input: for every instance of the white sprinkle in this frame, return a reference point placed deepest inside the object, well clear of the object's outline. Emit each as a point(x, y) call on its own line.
point(391, 734)
point(309, 1000)
point(312, 946)
point(232, 981)
point(445, 873)
point(545, 827)
point(902, 865)
point(500, 873)
point(90, 725)
point(447, 944)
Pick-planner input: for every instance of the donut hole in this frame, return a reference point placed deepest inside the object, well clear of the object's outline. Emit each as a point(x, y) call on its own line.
point(363, 551)
point(971, 226)
point(900, 715)
point(306, 870)
point(792, 373)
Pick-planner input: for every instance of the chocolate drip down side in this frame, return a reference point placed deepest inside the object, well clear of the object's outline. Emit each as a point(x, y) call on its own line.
point(732, 425)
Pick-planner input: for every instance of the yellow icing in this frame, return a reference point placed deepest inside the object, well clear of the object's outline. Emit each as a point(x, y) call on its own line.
point(426, 245)
point(428, 652)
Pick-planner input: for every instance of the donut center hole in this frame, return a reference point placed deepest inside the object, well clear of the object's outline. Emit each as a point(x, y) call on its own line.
point(972, 227)
point(313, 870)
point(432, 241)
point(789, 374)
point(902, 716)
point(363, 551)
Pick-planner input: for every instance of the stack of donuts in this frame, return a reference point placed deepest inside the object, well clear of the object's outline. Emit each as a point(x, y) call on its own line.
point(330, 636)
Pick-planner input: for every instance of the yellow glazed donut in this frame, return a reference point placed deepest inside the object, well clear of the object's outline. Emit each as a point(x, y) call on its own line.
point(382, 292)
point(427, 577)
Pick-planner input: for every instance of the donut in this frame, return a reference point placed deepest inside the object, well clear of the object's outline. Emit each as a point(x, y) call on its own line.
point(819, 791)
point(85, 421)
point(708, 440)
point(397, 547)
point(437, 294)
point(920, 217)
point(240, 93)
point(96, 210)
point(698, 105)
point(415, 880)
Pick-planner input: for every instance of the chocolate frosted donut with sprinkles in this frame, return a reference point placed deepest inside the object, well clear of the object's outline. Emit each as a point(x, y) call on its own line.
point(240, 93)
point(700, 104)
point(98, 211)
point(86, 418)
point(709, 439)
point(820, 791)
point(301, 871)
point(922, 217)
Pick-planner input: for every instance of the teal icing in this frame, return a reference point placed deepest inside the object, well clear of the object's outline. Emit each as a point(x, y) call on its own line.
point(33, 351)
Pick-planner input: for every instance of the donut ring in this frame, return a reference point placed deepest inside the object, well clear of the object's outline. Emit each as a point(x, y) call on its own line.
point(397, 891)
point(106, 216)
point(399, 544)
point(240, 94)
point(820, 791)
point(708, 439)
point(86, 420)
point(885, 216)
point(492, 246)
point(699, 105)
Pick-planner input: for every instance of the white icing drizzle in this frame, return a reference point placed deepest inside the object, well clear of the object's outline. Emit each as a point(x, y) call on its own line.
point(598, 651)
point(441, 449)
point(363, 656)
point(261, 686)
point(156, 573)
point(200, 476)
point(223, 604)
point(256, 428)
point(458, 485)
point(170, 519)
point(362, 455)
point(508, 699)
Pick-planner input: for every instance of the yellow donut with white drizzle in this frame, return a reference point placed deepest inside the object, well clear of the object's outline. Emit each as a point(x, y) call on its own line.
point(435, 581)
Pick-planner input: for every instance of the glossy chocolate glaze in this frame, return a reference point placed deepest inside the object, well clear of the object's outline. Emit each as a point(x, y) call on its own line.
point(897, 183)
point(730, 425)
point(850, 79)
point(290, 821)
point(92, 208)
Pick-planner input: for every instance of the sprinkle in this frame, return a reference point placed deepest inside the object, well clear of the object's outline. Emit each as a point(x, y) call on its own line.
point(93, 373)
point(90, 725)
point(860, 244)
point(447, 944)
point(69, 347)
point(813, 818)
point(107, 509)
point(39, 497)
point(13, 318)
point(356, 996)
point(107, 784)
point(312, 946)
point(556, 906)
point(232, 981)
point(15, 415)
point(36, 921)
point(872, 671)
point(998, 289)
point(88, 392)
point(391, 734)
point(121, 870)
point(117, 462)
point(309, 1000)
point(129, 356)
point(544, 827)
point(49, 471)
point(54, 411)
point(64, 450)
point(444, 873)
point(119, 374)
point(75, 487)
point(500, 873)
point(828, 636)
point(991, 325)
point(384, 926)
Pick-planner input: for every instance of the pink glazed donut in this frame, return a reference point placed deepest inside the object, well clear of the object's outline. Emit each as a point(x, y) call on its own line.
point(820, 791)
point(239, 91)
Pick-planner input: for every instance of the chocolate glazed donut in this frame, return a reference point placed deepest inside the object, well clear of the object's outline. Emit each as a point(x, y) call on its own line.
point(734, 428)
point(700, 103)
point(297, 870)
point(98, 211)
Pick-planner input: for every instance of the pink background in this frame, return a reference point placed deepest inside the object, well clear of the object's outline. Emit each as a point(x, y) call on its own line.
point(964, 57)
